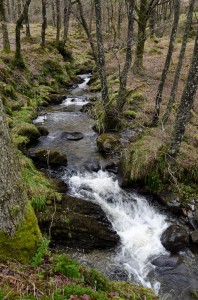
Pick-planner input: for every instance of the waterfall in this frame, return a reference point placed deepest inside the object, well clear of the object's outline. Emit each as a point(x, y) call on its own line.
point(137, 223)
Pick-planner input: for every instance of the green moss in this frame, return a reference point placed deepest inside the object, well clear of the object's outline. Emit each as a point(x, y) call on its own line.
point(28, 130)
point(130, 291)
point(8, 90)
point(130, 114)
point(155, 50)
point(23, 244)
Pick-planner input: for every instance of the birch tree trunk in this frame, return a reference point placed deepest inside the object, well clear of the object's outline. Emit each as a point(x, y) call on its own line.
point(158, 99)
point(186, 104)
point(19, 232)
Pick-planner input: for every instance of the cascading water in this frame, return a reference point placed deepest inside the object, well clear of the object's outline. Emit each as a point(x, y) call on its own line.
point(137, 223)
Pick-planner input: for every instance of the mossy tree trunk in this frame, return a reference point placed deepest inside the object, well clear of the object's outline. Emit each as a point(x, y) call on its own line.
point(44, 23)
point(171, 101)
point(53, 13)
point(58, 21)
point(19, 23)
point(101, 65)
point(158, 99)
point(128, 59)
point(67, 12)
point(15, 209)
point(186, 104)
point(27, 25)
point(6, 42)
point(141, 37)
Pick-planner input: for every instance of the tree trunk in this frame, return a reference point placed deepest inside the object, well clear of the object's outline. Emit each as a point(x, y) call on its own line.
point(141, 37)
point(20, 20)
point(58, 21)
point(186, 104)
point(13, 8)
point(128, 59)
point(67, 11)
point(53, 13)
point(27, 24)
point(180, 63)
point(19, 8)
point(102, 67)
point(86, 28)
point(6, 42)
point(18, 234)
point(44, 23)
point(158, 99)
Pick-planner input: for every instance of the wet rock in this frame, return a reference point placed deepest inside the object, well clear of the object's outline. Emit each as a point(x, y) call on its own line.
point(112, 167)
point(72, 136)
point(59, 185)
point(53, 157)
point(43, 130)
point(124, 170)
point(57, 98)
point(93, 166)
point(170, 200)
point(196, 213)
point(194, 236)
point(79, 223)
point(108, 143)
point(175, 238)
point(166, 261)
point(178, 277)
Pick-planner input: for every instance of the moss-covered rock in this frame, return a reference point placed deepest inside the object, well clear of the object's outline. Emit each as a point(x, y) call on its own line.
point(28, 130)
point(108, 142)
point(23, 244)
point(53, 157)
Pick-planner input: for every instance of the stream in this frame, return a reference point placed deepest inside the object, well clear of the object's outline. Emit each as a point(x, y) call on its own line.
point(140, 258)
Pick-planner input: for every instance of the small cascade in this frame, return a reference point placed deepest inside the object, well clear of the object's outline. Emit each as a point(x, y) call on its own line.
point(138, 224)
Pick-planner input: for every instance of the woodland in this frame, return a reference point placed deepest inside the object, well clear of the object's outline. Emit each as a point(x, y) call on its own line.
point(103, 93)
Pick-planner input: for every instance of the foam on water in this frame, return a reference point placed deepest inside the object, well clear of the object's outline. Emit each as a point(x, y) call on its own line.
point(138, 224)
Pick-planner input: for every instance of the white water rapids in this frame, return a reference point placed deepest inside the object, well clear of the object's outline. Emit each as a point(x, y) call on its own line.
point(137, 223)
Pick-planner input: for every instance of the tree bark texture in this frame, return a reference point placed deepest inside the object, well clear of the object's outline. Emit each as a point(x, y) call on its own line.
point(20, 20)
point(128, 59)
point(180, 62)
point(158, 99)
point(67, 11)
point(86, 28)
point(6, 42)
point(186, 104)
point(58, 21)
point(44, 22)
point(12, 195)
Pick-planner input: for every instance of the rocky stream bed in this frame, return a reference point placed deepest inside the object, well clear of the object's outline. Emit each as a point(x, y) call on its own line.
point(102, 225)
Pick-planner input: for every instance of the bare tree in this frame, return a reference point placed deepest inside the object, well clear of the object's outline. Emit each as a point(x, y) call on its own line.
point(44, 22)
point(58, 21)
point(180, 62)
point(19, 23)
point(128, 59)
point(158, 99)
point(186, 104)
point(6, 42)
point(67, 12)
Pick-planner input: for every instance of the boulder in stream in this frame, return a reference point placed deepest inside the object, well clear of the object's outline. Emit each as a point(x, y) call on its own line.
point(175, 238)
point(57, 98)
point(51, 156)
point(108, 142)
point(72, 136)
point(79, 223)
point(170, 200)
